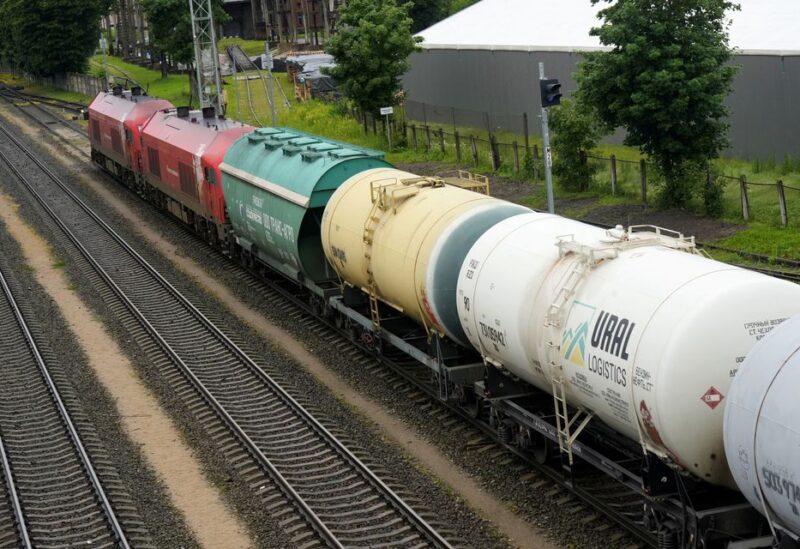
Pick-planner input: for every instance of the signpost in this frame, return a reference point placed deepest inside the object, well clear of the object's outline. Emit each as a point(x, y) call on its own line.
point(551, 95)
point(388, 111)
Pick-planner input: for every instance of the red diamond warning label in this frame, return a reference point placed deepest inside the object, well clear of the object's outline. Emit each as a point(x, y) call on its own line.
point(712, 397)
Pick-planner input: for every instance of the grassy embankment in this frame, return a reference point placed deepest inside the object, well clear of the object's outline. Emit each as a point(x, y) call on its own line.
point(762, 235)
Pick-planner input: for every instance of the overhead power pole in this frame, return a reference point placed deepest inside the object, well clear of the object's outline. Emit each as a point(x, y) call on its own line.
point(206, 57)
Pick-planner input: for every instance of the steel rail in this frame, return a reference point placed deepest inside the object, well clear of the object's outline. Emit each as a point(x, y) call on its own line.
point(86, 461)
point(316, 523)
point(43, 124)
point(13, 496)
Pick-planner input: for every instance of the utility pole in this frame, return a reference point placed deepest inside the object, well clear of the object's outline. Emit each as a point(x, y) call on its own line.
point(206, 58)
point(269, 65)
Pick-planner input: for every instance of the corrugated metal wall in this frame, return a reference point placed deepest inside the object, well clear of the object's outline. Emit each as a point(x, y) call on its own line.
point(765, 103)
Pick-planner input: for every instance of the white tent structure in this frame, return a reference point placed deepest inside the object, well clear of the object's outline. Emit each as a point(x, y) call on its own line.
point(485, 58)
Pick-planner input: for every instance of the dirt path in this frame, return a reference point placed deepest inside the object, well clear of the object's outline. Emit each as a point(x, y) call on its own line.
point(520, 532)
point(142, 418)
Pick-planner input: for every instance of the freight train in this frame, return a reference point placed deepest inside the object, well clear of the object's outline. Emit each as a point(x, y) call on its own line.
point(624, 349)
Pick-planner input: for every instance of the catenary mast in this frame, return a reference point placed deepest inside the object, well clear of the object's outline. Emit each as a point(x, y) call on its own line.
point(206, 58)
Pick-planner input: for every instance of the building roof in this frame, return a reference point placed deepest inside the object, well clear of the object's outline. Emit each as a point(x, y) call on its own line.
point(766, 27)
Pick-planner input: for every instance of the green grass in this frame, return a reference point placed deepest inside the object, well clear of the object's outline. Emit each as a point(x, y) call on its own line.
point(762, 235)
point(174, 88)
point(766, 239)
point(34, 89)
point(250, 47)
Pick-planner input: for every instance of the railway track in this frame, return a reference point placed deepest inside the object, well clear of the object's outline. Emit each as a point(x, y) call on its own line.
point(33, 107)
point(598, 498)
point(51, 494)
point(323, 492)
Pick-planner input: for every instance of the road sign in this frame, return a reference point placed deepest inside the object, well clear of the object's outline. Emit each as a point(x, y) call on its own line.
point(386, 111)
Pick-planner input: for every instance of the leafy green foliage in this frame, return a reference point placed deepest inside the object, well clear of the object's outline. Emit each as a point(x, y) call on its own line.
point(371, 51)
point(575, 131)
point(428, 12)
point(458, 5)
point(46, 37)
point(170, 25)
point(713, 196)
point(665, 81)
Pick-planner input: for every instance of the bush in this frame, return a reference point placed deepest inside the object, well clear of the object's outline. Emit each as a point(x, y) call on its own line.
point(712, 195)
point(575, 131)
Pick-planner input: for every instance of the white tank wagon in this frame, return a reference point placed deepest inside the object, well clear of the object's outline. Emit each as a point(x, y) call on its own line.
point(402, 239)
point(762, 426)
point(624, 326)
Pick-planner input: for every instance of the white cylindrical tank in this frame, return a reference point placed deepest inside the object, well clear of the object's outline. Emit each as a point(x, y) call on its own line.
point(762, 425)
point(406, 237)
point(645, 336)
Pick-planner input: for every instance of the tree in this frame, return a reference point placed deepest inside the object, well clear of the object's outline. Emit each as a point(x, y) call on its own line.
point(575, 131)
point(665, 81)
point(46, 37)
point(428, 12)
point(170, 25)
point(371, 51)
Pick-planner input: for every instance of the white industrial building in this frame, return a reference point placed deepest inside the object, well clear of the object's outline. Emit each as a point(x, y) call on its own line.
point(485, 59)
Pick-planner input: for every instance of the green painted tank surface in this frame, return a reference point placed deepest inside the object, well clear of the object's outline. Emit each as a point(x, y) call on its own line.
point(277, 183)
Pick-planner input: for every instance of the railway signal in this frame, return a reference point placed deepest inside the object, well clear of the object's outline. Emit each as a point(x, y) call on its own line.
point(550, 90)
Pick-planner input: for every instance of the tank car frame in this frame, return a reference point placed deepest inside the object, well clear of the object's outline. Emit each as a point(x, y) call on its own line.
point(671, 509)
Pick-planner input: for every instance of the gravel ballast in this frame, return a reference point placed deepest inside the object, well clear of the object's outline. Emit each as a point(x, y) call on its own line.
point(499, 473)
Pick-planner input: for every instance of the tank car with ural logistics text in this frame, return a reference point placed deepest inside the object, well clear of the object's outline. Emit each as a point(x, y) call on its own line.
point(617, 346)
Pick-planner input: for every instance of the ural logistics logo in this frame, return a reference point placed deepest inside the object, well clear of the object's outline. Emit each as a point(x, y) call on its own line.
point(573, 342)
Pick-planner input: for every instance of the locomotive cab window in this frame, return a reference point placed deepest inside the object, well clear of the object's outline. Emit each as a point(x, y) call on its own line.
point(128, 136)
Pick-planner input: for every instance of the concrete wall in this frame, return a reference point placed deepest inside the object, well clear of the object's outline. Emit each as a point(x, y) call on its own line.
point(765, 102)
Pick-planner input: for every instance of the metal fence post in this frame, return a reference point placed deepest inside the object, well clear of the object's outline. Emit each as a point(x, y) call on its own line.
point(613, 161)
point(414, 135)
point(743, 196)
point(427, 138)
point(516, 157)
point(441, 140)
point(782, 203)
point(495, 152)
point(643, 174)
point(458, 147)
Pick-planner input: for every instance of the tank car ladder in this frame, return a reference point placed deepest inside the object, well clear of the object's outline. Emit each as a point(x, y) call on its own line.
point(386, 197)
point(568, 428)
point(369, 233)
